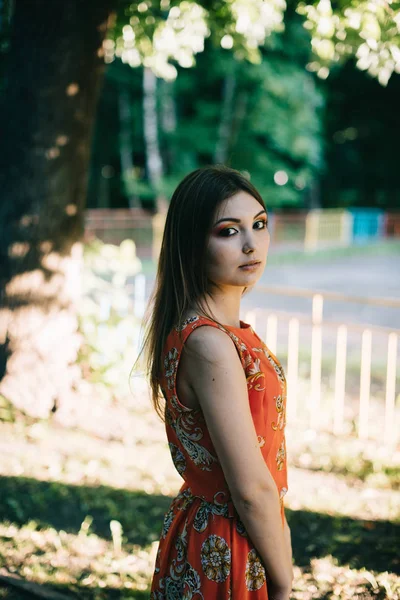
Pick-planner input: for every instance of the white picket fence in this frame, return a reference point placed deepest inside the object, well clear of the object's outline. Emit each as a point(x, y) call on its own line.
point(313, 406)
point(390, 421)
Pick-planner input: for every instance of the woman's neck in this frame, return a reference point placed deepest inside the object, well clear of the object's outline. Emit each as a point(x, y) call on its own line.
point(225, 307)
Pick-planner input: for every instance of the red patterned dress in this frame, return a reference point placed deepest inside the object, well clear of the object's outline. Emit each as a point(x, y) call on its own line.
point(204, 551)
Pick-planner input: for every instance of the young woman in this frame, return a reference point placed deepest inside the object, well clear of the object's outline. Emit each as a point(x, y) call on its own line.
point(223, 396)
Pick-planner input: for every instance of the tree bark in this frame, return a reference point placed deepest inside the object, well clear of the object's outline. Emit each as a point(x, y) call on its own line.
point(225, 125)
point(150, 128)
point(125, 147)
point(168, 123)
point(55, 67)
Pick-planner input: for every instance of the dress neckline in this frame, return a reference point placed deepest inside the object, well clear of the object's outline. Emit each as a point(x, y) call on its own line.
point(243, 325)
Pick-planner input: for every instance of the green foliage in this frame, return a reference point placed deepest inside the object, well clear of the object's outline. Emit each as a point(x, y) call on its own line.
point(369, 31)
point(106, 313)
point(7, 412)
point(163, 34)
point(272, 122)
point(6, 12)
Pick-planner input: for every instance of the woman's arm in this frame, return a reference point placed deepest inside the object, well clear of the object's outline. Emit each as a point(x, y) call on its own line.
point(288, 541)
point(216, 376)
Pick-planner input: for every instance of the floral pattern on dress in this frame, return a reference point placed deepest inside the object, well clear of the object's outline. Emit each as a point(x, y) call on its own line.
point(277, 367)
point(171, 361)
point(216, 558)
point(281, 410)
point(177, 458)
point(182, 326)
point(261, 441)
point(255, 572)
point(280, 456)
point(158, 558)
point(205, 511)
point(240, 528)
point(168, 519)
point(255, 377)
point(189, 433)
point(180, 502)
point(247, 359)
point(183, 581)
point(202, 556)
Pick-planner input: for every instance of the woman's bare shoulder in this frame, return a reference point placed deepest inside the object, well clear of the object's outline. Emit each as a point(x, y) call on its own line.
point(209, 339)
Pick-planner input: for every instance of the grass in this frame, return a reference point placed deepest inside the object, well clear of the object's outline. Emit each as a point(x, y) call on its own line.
point(81, 508)
point(80, 514)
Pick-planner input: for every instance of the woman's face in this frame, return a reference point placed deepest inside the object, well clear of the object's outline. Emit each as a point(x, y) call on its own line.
point(238, 235)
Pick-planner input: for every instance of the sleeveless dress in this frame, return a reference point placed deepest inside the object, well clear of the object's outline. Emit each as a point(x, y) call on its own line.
point(204, 551)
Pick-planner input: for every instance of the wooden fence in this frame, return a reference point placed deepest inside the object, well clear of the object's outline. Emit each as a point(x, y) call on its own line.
point(312, 406)
point(308, 231)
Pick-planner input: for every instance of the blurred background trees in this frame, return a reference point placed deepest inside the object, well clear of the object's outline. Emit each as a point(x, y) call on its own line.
point(304, 97)
point(263, 118)
point(305, 113)
point(243, 82)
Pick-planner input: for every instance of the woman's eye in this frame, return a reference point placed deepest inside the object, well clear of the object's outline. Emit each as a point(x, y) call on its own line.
point(263, 225)
point(225, 233)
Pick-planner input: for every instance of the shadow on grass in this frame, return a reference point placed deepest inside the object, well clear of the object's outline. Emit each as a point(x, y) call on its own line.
point(64, 506)
point(11, 593)
point(359, 543)
point(369, 544)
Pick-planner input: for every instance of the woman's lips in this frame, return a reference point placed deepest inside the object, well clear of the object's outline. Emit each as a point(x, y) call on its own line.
point(252, 267)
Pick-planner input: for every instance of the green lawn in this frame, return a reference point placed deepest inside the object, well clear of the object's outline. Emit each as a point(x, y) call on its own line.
point(80, 514)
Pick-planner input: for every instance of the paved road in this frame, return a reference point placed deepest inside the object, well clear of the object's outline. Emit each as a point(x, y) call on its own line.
point(365, 276)
point(368, 276)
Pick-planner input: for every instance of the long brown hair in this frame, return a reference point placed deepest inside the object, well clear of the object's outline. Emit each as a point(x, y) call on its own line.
point(181, 281)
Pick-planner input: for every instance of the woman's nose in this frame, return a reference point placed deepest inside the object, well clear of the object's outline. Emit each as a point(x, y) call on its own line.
point(248, 247)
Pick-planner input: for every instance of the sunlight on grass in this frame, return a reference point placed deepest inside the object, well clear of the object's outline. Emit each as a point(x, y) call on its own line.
point(85, 559)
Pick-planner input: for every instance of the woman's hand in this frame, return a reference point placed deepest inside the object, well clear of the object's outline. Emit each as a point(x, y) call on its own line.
point(278, 593)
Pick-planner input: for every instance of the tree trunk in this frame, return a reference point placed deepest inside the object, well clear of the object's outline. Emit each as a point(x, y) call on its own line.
point(239, 115)
point(225, 126)
point(54, 70)
point(150, 129)
point(125, 147)
point(168, 123)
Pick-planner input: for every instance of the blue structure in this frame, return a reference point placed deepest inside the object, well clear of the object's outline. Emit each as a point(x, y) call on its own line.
point(368, 224)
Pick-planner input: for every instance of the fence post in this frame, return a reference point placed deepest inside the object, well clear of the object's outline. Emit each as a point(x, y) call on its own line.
point(293, 367)
point(365, 383)
point(311, 233)
point(316, 356)
point(158, 224)
point(346, 233)
point(390, 417)
point(340, 379)
point(272, 332)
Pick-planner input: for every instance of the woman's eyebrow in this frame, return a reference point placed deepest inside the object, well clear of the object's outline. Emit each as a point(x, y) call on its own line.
point(238, 220)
